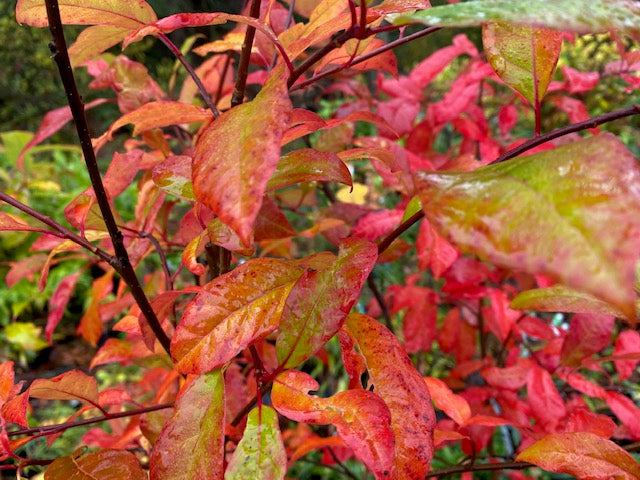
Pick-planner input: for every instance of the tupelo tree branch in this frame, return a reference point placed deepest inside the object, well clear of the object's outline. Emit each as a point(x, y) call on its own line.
point(121, 262)
point(243, 68)
point(562, 131)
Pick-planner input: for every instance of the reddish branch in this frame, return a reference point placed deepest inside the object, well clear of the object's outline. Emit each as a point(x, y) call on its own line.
point(194, 76)
point(560, 132)
point(243, 68)
point(121, 263)
point(50, 429)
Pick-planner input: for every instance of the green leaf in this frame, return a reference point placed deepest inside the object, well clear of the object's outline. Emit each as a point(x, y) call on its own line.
point(231, 313)
point(524, 57)
point(320, 301)
point(569, 213)
point(559, 298)
point(308, 165)
point(101, 465)
point(583, 455)
point(581, 16)
point(25, 335)
point(260, 455)
point(237, 154)
point(191, 444)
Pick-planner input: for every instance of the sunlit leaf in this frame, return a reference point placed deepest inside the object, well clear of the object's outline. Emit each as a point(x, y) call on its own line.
point(237, 154)
point(232, 312)
point(191, 444)
point(100, 465)
point(260, 455)
point(581, 16)
point(396, 380)
point(583, 455)
point(524, 57)
point(361, 418)
point(309, 165)
point(72, 385)
point(568, 213)
point(320, 301)
point(559, 298)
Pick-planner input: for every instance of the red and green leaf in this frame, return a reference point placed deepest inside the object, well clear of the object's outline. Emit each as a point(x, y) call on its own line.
point(361, 418)
point(191, 444)
point(101, 465)
point(404, 391)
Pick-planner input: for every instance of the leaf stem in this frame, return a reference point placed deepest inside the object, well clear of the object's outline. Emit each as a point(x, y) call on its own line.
point(121, 263)
point(243, 67)
point(192, 73)
point(575, 127)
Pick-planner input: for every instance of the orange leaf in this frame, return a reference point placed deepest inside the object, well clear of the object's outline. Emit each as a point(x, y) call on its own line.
point(231, 313)
point(361, 417)
point(237, 154)
point(101, 465)
point(455, 406)
point(73, 385)
point(404, 391)
point(583, 455)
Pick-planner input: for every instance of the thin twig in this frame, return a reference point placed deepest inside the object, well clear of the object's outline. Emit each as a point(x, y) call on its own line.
point(194, 76)
point(365, 57)
point(399, 230)
point(560, 132)
point(381, 301)
point(121, 263)
point(479, 468)
point(60, 230)
point(243, 67)
point(49, 429)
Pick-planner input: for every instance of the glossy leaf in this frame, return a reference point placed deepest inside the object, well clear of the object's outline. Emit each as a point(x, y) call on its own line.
point(580, 16)
point(559, 298)
point(361, 418)
point(160, 114)
point(237, 154)
point(583, 455)
point(309, 165)
point(588, 334)
point(551, 213)
point(231, 313)
point(320, 301)
point(72, 385)
point(191, 444)
point(524, 57)
point(260, 454)
point(100, 465)
point(404, 391)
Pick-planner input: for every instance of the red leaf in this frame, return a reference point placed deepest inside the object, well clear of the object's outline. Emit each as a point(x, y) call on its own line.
point(584, 420)
point(320, 301)
point(588, 334)
point(628, 342)
point(546, 403)
point(73, 385)
point(375, 225)
point(578, 82)
point(191, 444)
point(237, 154)
point(424, 73)
point(24, 268)
point(499, 318)
point(455, 406)
point(231, 313)
point(51, 123)
point(581, 384)
point(583, 455)
point(404, 391)
point(100, 465)
point(361, 417)
point(507, 119)
point(434, 251)
point(511, 378)
point(58, 303)
point(626, 410)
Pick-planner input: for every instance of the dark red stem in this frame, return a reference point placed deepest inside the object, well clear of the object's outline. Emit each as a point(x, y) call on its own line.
point(243, 68)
